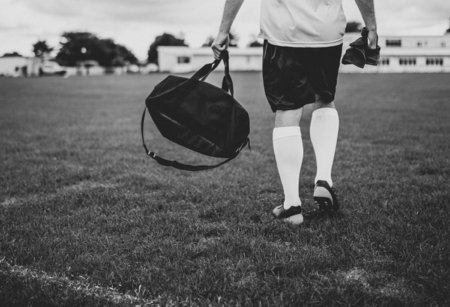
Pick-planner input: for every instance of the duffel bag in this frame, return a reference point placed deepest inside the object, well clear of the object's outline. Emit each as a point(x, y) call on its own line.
point(199, 116)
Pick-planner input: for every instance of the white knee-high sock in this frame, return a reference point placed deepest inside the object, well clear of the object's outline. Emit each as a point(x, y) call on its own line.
point(324, 133)
point(288, 148)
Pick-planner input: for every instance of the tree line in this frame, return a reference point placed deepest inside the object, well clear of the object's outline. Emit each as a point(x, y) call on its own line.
point(83, 47)
point(77, 47)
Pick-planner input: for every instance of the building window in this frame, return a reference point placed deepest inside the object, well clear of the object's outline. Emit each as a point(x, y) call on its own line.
point(184, 60)
point(420, 44)
point(407, 61)
point(443, 45)
point(385, 61)
point(393, 43)
point(435, 61)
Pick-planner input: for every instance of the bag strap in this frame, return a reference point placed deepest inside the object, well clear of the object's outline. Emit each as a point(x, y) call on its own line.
point(205, 71)
point(181, 166)
point(227, 82)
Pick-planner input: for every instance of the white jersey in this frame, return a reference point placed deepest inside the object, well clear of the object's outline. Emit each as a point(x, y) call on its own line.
point(303, 23)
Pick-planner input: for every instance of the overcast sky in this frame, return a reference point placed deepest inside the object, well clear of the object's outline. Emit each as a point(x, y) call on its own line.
point(135, 23)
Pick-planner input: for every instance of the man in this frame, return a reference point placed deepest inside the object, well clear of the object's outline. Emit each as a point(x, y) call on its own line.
point(302, 51)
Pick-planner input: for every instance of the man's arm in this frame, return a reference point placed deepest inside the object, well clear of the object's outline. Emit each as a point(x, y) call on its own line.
point(367, 9)
point(229, 14)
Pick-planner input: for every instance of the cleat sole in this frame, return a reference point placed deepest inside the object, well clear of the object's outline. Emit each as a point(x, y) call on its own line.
point(277, 210)
point(295, 219)
point(321, 192)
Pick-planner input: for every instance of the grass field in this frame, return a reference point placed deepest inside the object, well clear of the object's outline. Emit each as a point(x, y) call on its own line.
point(87, 219)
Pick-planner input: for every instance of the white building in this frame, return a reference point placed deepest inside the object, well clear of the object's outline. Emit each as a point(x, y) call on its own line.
point(17, 66)
point(398, 54)
point(416, 54)
point(185, 59)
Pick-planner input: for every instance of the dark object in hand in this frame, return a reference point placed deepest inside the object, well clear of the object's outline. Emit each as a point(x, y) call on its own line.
point(360, 54)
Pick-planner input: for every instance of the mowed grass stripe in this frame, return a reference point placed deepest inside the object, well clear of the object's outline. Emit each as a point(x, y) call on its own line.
point(93, 205)
point(32, 199)
point(43, 286)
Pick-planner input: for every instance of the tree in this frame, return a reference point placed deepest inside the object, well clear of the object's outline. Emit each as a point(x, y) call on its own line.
point(255, 42)
point(163, 40)
point(11, 54)
point(353, 26)
point(234, 39)
point(112, 54)
point(84, 46)
point(41, 49)
point(208, 42)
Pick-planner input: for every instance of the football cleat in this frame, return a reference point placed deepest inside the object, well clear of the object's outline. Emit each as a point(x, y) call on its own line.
point(292, 215)
point(325, 200)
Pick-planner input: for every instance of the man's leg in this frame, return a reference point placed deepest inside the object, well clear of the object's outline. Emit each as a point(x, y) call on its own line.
point(288, 148)
point(324, 133)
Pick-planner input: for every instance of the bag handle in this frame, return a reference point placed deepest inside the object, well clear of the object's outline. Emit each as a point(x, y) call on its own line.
point(181, 166)
point(227, 82)
point(205, 71)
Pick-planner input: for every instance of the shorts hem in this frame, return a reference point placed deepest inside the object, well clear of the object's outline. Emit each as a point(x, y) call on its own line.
point(280, 106)
point(305, 44)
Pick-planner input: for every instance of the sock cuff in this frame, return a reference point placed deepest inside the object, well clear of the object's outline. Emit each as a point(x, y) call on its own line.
point(283, 132)
point(325, 112)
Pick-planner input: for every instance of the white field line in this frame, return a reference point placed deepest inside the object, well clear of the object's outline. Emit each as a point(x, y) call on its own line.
point(80, 286)
point(82, 186)
point(396, 289)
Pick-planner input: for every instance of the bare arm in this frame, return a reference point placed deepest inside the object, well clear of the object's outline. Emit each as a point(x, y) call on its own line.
point(229, 14)
point(367, 9)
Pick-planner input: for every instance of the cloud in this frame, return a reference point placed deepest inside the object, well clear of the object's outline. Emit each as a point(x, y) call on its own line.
point(185, 13)
point(135, 23)
point(406, 17)
point(12, 28)
point(430, 9)
point(413, 15)
point(55, 8)
point(207, 13)
point(147, 11)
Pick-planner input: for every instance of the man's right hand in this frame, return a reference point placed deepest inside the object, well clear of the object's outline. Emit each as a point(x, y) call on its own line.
point(220, 44)
point(373, 39)
point(367, 10)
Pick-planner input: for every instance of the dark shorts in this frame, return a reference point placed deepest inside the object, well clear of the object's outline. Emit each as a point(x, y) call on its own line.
point(294, 76)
